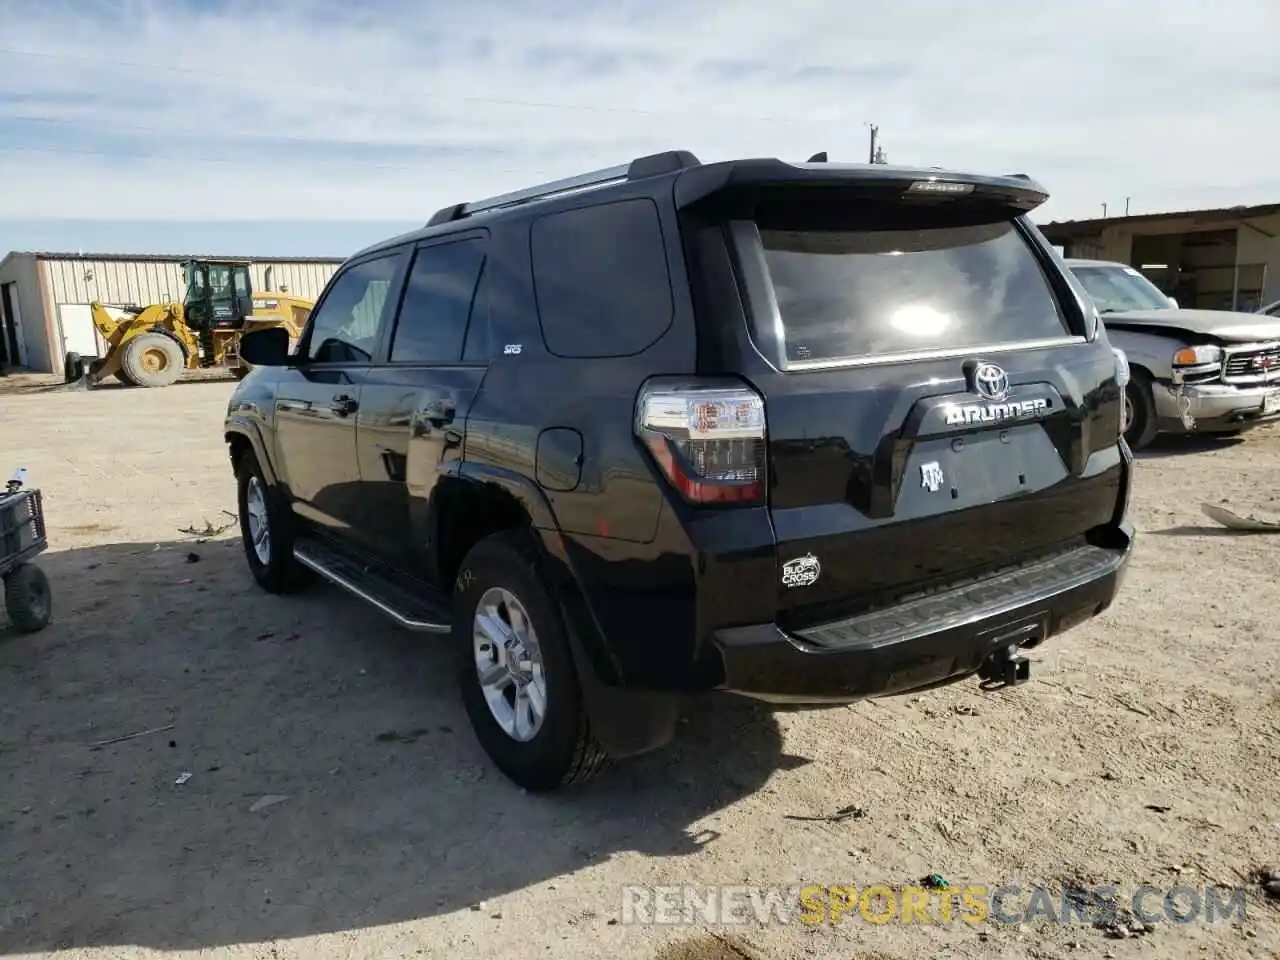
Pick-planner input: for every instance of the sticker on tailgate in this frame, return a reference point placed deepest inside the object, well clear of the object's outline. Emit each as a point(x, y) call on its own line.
point(931, 477)
point(801, 572)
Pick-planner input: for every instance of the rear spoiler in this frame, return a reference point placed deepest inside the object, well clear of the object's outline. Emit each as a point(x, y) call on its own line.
point(1017, 191)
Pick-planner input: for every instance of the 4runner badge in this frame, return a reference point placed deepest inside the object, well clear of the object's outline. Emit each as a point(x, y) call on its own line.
point(959, 414)
point(801, 572)
point(992, 384)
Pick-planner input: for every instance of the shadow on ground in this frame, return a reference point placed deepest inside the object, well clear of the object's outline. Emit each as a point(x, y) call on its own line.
point(1175, 445)
point(391, 811)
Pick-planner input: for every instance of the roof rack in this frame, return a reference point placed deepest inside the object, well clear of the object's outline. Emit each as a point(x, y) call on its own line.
point(652, 165)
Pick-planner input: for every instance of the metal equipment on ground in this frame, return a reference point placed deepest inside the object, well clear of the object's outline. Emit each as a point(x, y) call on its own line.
point(27, 597)
point(151, 346)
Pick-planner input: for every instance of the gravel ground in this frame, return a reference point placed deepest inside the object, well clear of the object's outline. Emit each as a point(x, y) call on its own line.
point(1146, 750)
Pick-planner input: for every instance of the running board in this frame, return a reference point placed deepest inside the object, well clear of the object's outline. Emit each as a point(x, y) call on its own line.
point(422, 614)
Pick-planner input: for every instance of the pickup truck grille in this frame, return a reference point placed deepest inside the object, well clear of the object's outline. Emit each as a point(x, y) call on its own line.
point(1254, 365)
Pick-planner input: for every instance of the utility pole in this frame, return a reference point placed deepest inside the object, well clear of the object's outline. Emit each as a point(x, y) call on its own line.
point(871, 153)
point(1104, 209)
point(1126, 205)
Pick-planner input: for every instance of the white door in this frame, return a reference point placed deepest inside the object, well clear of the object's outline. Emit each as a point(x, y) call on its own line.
point(78, 332)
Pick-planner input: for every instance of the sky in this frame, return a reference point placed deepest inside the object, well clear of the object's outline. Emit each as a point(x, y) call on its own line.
point(313, 127)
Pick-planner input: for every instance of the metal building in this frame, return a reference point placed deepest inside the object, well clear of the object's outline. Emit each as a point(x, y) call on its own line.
point(1222, 259)
point(44, 297)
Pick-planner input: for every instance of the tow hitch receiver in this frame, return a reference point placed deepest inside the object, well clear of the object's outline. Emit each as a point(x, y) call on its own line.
point(1004, 668)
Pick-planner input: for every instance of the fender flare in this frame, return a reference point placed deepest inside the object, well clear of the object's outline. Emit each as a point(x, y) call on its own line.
point(546, 530)
point(238, 425)
point(516, 485)
point(627, 721)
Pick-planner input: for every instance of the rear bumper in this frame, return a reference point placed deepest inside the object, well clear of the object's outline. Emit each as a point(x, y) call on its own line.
point(925, 642)
point(1214, 407)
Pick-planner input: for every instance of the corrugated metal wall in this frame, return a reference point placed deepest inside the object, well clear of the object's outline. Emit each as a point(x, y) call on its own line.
point(300, 279)
point(141, 282)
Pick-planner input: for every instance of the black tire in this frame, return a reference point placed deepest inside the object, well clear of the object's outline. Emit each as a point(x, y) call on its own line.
point(1141, 405)
point(27, 598)
point(71, 367)
point(563, 751)
point(153, 360)
point(280, 573)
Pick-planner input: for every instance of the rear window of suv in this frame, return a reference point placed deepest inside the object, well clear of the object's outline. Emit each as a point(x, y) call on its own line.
point(846, 293)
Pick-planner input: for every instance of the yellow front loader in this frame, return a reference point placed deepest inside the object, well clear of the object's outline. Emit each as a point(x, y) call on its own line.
point(151, 346)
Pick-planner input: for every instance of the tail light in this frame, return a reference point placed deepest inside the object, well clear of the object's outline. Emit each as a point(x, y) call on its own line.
point(707, 438)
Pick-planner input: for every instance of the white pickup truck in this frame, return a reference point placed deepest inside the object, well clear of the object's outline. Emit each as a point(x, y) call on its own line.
point(1201, 371)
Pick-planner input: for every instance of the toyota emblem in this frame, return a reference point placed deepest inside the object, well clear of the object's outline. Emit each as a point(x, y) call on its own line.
point(991, 382)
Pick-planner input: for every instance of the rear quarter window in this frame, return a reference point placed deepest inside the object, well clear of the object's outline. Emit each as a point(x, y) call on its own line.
point(601, 280)
point(857, 293)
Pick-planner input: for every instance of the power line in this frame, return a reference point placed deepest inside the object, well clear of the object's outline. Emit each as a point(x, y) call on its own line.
point(152, 68)
point(184, 158)
point(151, 128)
point(169, 131)
point(309, 142)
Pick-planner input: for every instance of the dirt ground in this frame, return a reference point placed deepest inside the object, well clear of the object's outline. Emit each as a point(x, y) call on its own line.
point(1146, 750)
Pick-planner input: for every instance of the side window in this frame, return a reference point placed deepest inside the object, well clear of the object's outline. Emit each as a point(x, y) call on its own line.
point(600, 278)
point(437, 303)
point(344, 328)
point(197, 283)
point(476, 349)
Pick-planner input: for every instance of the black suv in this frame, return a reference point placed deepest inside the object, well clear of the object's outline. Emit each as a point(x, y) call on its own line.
point(807, 432)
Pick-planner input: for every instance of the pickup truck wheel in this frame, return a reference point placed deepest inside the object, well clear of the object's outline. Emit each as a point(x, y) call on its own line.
point(516, 670)
point(27, 598)
point(1138, 418)
point(266, 529)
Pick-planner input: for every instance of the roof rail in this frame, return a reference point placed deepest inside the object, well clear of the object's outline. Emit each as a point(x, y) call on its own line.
point(648, 166)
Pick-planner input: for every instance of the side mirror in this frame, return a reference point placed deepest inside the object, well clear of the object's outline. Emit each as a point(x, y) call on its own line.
point(265, 348)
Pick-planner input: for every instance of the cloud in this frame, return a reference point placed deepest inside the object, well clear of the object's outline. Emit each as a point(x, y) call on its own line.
point(315, 109)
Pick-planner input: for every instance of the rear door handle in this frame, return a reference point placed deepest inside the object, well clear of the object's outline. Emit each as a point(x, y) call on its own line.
point(344, 405)
point(438, 413)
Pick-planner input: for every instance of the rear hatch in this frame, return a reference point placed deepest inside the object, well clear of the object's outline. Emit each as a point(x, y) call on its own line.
point(935, 407)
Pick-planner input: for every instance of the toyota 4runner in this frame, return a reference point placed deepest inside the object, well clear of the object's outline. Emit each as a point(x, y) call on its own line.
point(805, 432)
